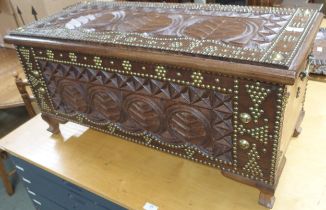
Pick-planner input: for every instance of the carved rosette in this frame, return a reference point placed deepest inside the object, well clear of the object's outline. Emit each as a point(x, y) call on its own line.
point(234, 127)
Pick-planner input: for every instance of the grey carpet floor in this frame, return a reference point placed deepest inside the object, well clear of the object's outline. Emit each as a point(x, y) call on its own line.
point(9, 120)
point(19, 200)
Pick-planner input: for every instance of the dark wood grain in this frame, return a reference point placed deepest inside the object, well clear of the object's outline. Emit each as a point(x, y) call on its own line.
point(261, 2)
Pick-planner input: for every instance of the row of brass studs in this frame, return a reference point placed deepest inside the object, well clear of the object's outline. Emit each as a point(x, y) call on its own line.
point(82, 119)
point(280, 107)
point(160, 73)
point(235, 123)
point(33, 79)
point(43, 89)
point(307, 30)
point(190, 151)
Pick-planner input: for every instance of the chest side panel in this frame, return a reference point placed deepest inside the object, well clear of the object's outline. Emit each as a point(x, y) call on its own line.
point(225, 122)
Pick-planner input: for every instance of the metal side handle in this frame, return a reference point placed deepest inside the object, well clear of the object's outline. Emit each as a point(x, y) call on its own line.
point(306, 72)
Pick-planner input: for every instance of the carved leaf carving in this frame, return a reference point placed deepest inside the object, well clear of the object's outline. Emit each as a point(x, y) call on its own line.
point(104, 105)
point(188, 124)
point(143, 114)
point(72, 97)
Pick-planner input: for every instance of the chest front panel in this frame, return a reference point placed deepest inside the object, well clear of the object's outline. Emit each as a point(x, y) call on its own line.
point(222, 121)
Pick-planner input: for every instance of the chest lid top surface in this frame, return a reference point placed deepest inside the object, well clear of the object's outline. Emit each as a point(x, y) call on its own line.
point(260, 36)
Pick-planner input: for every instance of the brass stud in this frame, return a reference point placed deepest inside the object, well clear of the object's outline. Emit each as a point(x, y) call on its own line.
point(244, 144)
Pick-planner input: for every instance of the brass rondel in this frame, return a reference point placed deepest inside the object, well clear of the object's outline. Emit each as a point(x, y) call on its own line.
point(244, 144)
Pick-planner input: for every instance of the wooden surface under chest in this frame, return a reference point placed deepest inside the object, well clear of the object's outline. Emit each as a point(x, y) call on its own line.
point(131, 175)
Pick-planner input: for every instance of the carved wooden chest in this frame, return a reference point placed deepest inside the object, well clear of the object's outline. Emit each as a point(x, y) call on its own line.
point(220, 85)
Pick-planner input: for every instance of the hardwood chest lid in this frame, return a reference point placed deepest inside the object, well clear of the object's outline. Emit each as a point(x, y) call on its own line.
point(269, 37)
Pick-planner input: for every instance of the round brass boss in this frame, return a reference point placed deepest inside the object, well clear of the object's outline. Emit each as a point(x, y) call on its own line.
point(277, 57)
point(36, 73)
point(244, 144)
point(245, 117)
